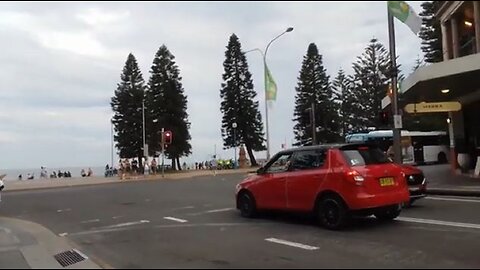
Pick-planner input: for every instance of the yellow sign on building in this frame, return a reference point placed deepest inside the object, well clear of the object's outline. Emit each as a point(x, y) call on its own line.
point(429, 107)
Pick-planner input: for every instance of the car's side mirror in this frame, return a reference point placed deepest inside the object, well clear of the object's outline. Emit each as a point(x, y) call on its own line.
point(261, 170)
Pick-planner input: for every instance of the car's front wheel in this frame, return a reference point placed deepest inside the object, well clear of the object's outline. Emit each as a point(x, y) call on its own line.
point(389, 214)
point(332, 213)
point(246, 205)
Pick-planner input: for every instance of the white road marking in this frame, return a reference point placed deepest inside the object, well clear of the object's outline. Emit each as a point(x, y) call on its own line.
point(439, 222)
point(176, 219)
point(64, 210)
point(452, 199)
point(211, 211)
point(63, 234)
point(219, 210)
point(172, 226)
point(90, 221)
point(128, 224)
point(292, 244)
point(117, 217)
point(81, 254)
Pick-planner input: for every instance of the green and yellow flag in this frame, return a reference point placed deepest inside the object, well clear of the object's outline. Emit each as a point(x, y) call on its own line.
point(270, 86)
point(404, 13)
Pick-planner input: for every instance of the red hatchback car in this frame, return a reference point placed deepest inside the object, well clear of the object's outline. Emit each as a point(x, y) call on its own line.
point(332, 181)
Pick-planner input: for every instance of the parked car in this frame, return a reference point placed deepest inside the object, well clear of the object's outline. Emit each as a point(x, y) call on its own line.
point(332, 181)
point(417, 183)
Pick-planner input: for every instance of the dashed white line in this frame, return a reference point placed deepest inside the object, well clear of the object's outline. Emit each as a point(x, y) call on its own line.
point(172, 226)
point(176, 219)
point(292, 244)
point(452, 199)
point(90, 221)
point(128, 224)
point(211, 211)
point(117, 217)
point(219, 210)
point(440, 222)
point(64, 210)
point(63, 234)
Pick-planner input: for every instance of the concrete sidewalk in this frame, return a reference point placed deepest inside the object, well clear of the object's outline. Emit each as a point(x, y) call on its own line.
point(25, 245)
point(441, 181)
point(96, 180)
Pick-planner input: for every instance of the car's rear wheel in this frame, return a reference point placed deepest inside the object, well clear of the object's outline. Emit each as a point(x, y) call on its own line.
point(389, 214)
point(332, 213)
point(246, 205)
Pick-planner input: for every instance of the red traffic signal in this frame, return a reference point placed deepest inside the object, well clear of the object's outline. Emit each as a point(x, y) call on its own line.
point(384, 118)
point(167, 137)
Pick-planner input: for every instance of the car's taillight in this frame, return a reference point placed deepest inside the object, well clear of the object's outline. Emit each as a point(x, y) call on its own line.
point(355, 176)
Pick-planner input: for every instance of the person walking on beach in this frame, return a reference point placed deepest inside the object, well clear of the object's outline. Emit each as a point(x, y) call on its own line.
point(213, 165)
point(153, 166)
point(2, 185)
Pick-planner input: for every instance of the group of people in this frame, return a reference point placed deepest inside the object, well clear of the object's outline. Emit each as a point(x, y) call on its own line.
point(30, 176)
point(61, 174)
point(66, 174)
point(132, 168)
point(88, 173)
point(215, 164)
point(110, 171)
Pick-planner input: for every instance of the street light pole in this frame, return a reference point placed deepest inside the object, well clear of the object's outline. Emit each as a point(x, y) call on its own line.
point(143, 129)
point(397, 147)
point(264, 56)
point(314, 126)
point(234, 125)
point(163, 152)
point(111, 137)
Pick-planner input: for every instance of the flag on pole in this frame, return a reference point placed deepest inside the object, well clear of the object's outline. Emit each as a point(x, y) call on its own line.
point(405, 13)
point(270, 86)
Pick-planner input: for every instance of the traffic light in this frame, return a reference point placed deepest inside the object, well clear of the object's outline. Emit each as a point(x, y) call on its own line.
point(384, 118)
point(168, 137)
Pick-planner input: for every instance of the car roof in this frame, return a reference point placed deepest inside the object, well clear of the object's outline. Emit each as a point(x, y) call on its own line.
point(323, 147)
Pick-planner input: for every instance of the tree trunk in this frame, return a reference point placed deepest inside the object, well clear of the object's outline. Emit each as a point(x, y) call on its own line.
point(253, 161)
point(140, 164)
point(178, 164)
point(174, 167)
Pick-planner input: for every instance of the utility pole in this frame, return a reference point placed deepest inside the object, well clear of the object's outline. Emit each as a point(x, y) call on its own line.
point(312, 123)
point(314, 126)
point(397, 120)
point(163, 152)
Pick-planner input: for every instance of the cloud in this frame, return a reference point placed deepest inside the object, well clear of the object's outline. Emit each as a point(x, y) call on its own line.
point(95, 17)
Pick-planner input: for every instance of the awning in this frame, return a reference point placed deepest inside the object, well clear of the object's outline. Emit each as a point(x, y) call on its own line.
point(461, 76)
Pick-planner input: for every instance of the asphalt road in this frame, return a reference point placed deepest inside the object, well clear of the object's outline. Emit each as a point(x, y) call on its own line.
point(192, 223)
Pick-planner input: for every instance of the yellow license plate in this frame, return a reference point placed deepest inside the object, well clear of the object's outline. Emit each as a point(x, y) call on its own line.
point(386, 181)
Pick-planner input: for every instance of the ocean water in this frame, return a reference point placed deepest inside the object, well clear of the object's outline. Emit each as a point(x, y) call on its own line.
point(12, 174)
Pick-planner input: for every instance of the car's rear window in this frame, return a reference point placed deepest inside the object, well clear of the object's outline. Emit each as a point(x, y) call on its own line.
point(364, 155)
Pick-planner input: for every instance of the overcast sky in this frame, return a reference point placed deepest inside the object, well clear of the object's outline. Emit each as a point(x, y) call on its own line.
point(60, 64)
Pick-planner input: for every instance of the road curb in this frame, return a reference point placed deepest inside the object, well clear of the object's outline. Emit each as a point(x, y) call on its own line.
point(453, 192)
point(40, 253)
